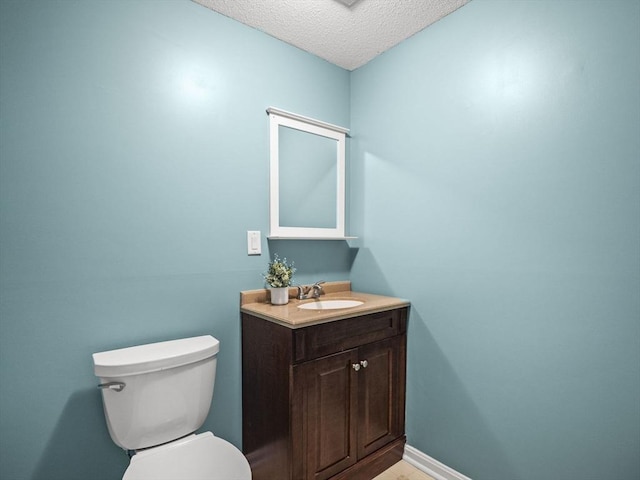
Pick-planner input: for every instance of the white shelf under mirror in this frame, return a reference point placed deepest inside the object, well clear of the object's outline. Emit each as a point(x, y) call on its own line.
point(311, 238)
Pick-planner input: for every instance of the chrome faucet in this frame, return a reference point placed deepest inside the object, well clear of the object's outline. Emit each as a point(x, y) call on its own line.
point(310, 291)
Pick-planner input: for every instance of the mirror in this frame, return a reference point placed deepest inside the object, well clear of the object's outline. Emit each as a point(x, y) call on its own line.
point(307, 177)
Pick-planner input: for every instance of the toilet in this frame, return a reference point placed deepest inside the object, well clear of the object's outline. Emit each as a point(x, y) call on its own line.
point(155, 397)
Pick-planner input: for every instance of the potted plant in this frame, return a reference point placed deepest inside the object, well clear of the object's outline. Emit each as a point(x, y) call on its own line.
point(279, 278)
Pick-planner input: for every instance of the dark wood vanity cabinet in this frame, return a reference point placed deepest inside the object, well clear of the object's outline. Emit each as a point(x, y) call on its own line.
point(324, 401)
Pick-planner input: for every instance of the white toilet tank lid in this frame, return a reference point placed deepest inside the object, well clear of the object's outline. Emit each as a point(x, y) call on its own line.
point(197, 457)
point(154, 356)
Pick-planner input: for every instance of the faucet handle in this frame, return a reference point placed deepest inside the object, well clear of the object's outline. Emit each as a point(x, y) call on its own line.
point(317, 288)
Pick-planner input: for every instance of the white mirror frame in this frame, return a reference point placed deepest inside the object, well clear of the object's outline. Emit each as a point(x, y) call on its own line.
point(279, 117)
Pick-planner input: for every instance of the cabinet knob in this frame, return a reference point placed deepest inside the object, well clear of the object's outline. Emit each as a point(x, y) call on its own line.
point(355, 366)
point(364, 363)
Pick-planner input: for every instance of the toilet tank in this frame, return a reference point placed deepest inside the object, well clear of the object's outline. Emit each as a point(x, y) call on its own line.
point(167, 389)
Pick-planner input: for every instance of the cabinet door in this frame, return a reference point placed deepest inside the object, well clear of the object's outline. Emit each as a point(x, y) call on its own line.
point(380, 394)
point(330, 409)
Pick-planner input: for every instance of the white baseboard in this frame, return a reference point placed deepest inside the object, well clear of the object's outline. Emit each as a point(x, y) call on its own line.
point(430, 466)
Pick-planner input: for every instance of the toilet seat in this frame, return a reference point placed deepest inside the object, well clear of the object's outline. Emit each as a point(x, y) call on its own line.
point(196, 457)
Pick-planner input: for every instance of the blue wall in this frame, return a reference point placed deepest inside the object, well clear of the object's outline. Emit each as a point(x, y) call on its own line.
point(496, 184)
point(134, 158)
point(495, 169)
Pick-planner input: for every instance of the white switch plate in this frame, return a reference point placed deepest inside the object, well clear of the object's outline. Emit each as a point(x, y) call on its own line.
point(254, 243)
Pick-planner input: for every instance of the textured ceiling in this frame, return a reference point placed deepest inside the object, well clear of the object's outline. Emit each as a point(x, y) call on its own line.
point(345, 36)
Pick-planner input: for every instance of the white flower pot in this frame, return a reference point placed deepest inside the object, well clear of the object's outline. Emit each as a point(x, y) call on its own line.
point(279, 296)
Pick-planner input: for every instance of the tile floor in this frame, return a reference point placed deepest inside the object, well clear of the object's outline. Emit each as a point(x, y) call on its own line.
point(403, 471)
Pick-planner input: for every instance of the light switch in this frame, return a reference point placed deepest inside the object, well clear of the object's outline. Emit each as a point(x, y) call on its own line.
point(254, 246)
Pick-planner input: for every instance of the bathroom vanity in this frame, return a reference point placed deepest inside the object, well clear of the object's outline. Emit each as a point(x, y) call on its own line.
point(323, 391)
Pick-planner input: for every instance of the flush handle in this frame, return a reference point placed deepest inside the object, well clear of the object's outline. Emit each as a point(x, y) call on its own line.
point(117, 386)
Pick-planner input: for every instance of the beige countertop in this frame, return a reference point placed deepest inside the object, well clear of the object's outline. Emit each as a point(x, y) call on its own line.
point(256, 302)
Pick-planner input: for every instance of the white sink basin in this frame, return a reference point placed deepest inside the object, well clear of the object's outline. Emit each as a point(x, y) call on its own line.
point(330, 304)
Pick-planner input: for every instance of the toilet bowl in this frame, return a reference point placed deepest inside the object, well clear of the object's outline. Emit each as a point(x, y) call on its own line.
point(197, 457)
point(155, 397)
